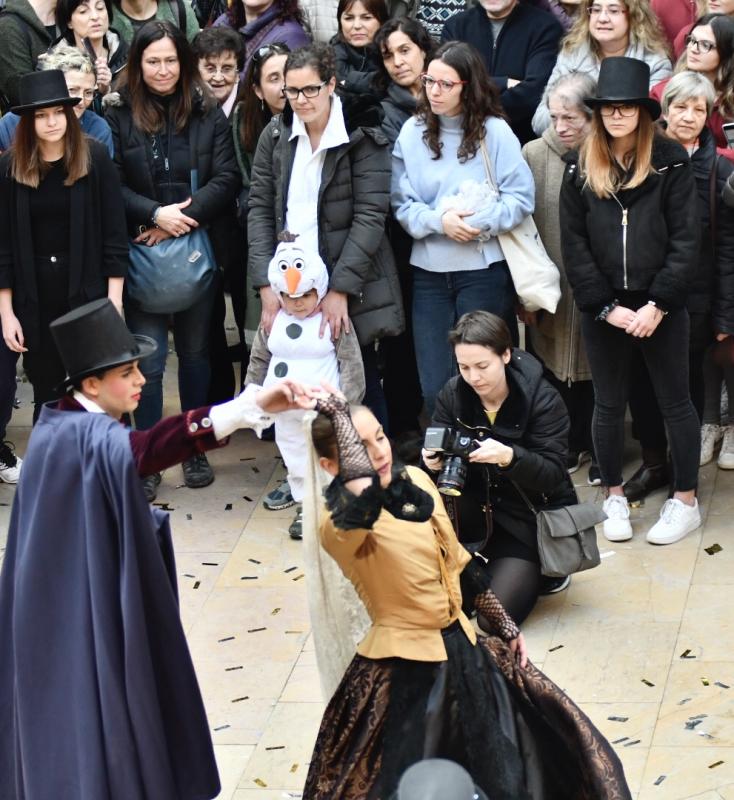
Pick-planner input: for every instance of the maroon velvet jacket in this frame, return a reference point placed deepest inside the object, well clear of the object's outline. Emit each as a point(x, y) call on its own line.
point(170, 441)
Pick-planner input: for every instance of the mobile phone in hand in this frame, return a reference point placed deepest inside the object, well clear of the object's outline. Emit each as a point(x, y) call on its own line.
point(87, 44)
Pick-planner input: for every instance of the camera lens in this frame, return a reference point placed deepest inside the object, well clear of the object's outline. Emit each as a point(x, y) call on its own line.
point(452, 477)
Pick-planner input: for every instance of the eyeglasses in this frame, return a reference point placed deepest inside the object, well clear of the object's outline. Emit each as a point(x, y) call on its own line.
point(228, 70)
point(700, 45)
point(272, 49)
point(611, 11)
point(624, 109)
point(291, 92)
point(443, 86)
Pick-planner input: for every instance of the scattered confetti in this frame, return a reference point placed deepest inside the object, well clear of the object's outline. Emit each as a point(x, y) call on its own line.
point(245, 497)
point(684, 701)
point(240, 699)
point(276, 747)
point(294, 767)
point(209, 563)
point(254, 561)
point(691, 724)
point(722, 685)
point(226, 639)
point(705, 681)
point(261, 782)
point(634, 741)
point(294, 631)
point(290, 569)
point(274, 612)
point(687, 654)
point(255, 469)
point(619, 741)
point(222, 728)
point(647, 682)
point(557, 647)
point(660, 780)
point(715, 548)
point(197, 584)
point(256, 630)
point(164, 506)
point(188, 516)
point(249, 458)
point(715, 764)
point(248, 578)
point(618, 719)
point(187, 575)
point(232, 669)
point(298, 577)
point(228, 507)
point(705, 735)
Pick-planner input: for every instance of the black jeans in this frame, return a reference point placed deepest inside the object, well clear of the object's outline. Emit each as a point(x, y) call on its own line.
point(8, 360)
point(610, 351)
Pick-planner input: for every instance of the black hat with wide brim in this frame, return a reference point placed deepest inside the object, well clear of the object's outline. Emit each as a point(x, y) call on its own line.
point(624, 80)
point(93, 338)
point(46, 89)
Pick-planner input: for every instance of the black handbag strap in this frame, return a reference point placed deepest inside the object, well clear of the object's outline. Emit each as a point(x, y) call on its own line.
point(525, 498)
point(712, 201)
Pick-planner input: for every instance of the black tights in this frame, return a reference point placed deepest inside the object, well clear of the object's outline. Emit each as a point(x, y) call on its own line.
point(516, 583)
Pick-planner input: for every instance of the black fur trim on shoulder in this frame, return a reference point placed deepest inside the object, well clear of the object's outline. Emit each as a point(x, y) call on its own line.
point(666, 152)
point(404, 500)
point(351, 511)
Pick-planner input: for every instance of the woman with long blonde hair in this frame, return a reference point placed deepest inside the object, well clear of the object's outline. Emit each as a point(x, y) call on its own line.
point(604, 29)
point(629, 237)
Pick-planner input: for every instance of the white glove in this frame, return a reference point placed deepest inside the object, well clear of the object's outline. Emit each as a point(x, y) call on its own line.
point(242, 412)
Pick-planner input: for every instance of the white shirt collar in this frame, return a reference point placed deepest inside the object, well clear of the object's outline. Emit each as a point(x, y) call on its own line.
point(335, 132)
point(88, 404)
point(228, 104)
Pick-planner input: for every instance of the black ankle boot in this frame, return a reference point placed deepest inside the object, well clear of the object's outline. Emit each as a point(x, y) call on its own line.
point(648, 478)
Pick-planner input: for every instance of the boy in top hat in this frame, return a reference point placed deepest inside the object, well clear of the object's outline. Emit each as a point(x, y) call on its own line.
point(294, 348)
point(98, 696)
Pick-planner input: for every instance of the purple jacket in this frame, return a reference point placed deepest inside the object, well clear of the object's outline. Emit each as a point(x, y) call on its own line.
point(555, 8)
point(266, 29)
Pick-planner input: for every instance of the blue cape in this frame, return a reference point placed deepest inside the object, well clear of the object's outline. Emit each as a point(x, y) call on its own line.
point(98, 695)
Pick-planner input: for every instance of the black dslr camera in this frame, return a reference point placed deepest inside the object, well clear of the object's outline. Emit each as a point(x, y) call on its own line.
point(456, 447)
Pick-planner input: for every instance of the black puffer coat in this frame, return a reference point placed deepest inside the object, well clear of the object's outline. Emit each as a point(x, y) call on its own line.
point(661, 250)
point(533, 421)
point(218, 177)
point(356, 67)
point(354, 198)
point(398, 106)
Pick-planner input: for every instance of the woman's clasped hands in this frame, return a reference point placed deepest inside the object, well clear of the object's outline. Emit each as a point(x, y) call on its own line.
point(641, 323)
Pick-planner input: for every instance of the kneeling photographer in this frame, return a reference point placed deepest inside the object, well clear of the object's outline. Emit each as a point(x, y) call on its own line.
point(500, 430)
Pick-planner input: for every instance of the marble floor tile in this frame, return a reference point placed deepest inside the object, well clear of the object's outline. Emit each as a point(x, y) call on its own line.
point(231, 761)
point(707, 627)
point(687, 772)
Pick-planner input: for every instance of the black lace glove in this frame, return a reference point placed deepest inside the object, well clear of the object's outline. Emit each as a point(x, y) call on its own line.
point(404, 500)
point(500, 622)
point(354, 462)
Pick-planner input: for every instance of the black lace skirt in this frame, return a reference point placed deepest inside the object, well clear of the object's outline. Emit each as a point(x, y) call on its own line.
point(516, 732)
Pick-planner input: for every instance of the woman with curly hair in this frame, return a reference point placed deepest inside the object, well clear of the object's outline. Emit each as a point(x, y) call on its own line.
point(441, 196)
point(262, 23)
point(710, 52)
point(607, 28)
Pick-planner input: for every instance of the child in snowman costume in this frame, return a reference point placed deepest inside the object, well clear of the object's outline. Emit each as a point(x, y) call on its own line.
point(295, 350)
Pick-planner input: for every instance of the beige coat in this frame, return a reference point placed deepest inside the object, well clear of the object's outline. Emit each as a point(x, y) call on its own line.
point(557, 338)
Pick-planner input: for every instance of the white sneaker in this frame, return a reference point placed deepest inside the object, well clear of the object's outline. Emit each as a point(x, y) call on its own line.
point(677, 519)
point(617, 526)
point(726, 454)
point(710, 436)
point(10, 464)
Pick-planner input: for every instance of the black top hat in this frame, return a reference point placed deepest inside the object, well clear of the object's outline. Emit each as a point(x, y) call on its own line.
point(45, 89)
point(93, 338)
point(437, 779)
point(624, 80)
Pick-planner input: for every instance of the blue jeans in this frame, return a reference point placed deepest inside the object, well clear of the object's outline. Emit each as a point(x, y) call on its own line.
point(439, 299)
point(191, 339)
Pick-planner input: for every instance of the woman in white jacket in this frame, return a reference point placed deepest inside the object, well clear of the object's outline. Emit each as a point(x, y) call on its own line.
point(606, 28)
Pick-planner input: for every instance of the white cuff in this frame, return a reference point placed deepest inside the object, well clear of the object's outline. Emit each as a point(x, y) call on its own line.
point(242, 412)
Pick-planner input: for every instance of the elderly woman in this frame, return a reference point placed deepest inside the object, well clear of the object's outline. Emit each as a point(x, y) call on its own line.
point(556, 338)
point(687, 103)
point(607, 28)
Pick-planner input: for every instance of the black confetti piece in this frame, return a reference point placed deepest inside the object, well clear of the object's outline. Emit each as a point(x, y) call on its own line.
point(245, 497)
point(691, 724)
point(226, 639)
point(209, 563)
point(228, 507)
point(647, 682)
point(276, 747)
point(164, 506)
point(222, 728)
point(298, 577)
point(687, 654)
point(294, 631)
point(240, 699)
point(248, 578)
point(618, 719)
point(256, 630)
point(290, 569)
point(715, 764)
point(232, 669)
point(623, 739)
point(197, 584)
point(722, 685)
point(634, 741)
point(188, 516)
point(249, 458)
point(714, 549)
point(254, 561)
point(274, 612)
point(557, 647)
point(660, 780)
point(684, 701)
point(186, 575)
point(255, 469)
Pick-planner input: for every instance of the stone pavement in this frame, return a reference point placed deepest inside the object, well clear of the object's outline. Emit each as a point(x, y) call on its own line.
point(644, 643)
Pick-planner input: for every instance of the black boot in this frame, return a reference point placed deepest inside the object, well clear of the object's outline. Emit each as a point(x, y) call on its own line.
point(648, 478)
point(197, 472)
point(150, 486)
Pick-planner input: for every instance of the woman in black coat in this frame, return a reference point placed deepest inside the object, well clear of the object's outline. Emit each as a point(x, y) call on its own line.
point(62, 227)
point(357, 57)
point(629, 235)
point(501, 401)
point(174, 153)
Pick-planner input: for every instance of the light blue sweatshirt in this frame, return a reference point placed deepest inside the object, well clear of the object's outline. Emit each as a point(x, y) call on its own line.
point(419, 183)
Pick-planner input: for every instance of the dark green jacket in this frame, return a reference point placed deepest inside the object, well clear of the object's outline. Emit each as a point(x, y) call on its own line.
point(22, 39)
